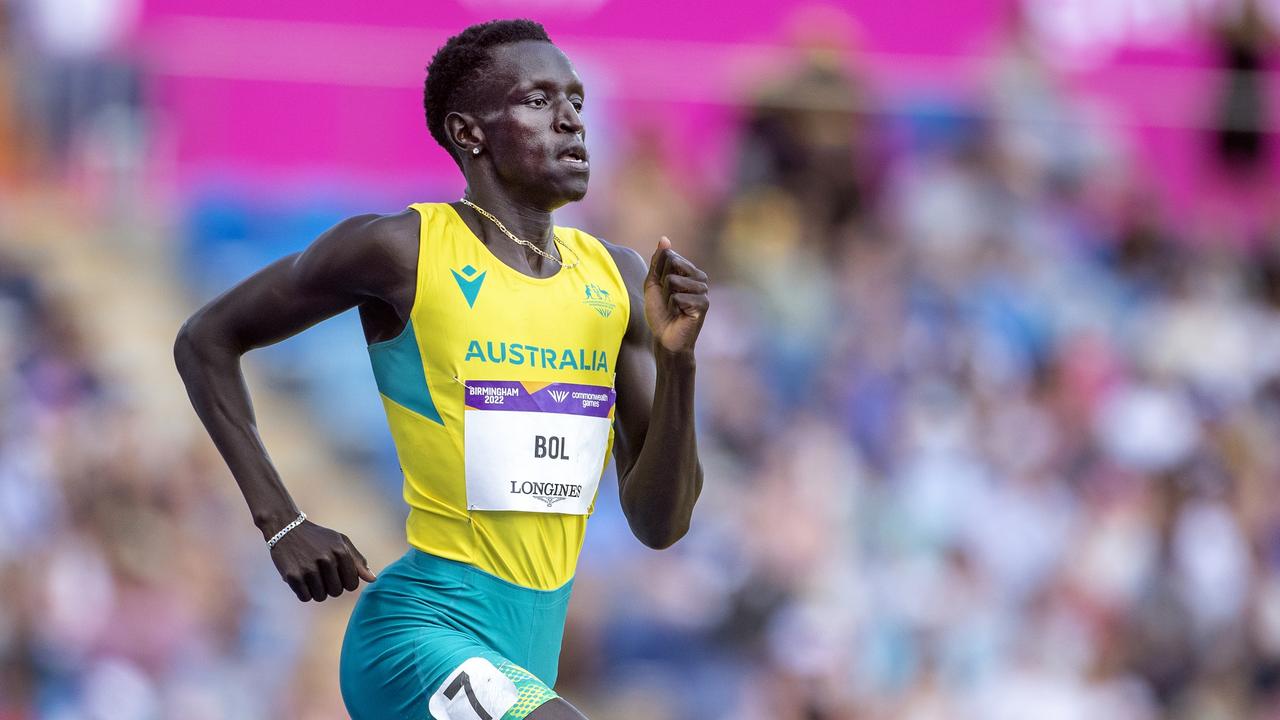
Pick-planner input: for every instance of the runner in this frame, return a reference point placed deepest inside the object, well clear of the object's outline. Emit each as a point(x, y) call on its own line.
point(507, 350)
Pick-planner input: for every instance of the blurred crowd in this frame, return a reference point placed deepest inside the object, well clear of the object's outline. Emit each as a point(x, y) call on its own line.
point(990, 432)
point(989, 429)
point(116, 604)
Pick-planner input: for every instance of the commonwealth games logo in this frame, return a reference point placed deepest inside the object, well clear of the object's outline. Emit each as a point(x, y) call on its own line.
point(599, 300)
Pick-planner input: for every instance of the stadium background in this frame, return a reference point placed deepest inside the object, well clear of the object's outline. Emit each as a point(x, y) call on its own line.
point(989, 396)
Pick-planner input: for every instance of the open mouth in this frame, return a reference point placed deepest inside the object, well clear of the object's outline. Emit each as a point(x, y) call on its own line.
point(575, 156)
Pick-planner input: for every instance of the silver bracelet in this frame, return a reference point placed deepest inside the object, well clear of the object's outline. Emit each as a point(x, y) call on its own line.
point(276, 538)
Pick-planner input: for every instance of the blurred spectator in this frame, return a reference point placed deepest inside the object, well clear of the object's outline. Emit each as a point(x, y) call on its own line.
point(82, 89)
point(1243, 119)
point(9, 141)
point(806, 132)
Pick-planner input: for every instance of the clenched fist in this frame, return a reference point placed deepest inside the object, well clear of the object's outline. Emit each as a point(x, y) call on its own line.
point(675, 299)
point(319, 563)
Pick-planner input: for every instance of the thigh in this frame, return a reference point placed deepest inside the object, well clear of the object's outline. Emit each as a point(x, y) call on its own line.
point(424, 643)
point(485, 687)
point(423, 672)
point(398, 648)
point(403, 663)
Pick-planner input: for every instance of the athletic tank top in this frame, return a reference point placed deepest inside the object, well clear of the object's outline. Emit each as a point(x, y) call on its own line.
point(499, 394)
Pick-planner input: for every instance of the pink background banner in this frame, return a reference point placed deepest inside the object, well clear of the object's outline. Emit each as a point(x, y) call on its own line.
point(281, 93)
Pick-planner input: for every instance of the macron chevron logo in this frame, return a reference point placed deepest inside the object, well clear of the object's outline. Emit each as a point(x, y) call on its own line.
point(469, 283)
point(559, 395)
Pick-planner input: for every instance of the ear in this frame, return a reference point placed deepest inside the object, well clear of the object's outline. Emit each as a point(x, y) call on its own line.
point(464, 132)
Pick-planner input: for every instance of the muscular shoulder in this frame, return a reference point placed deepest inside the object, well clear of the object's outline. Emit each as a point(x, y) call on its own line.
point(632, 267)
point(371, 238)
point(372, 254)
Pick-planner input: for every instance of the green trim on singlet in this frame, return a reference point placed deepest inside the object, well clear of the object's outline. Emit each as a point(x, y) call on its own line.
point(397, 368)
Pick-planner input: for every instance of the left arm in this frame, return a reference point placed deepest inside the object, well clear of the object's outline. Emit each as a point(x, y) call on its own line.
point(659, 475)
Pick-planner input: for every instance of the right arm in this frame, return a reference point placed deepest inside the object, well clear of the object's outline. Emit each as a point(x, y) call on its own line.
point(350, 264)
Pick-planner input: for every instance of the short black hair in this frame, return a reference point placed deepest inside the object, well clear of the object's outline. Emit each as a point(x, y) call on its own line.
point(460, 61)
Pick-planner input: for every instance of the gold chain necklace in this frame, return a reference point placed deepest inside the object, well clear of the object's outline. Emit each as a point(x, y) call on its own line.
point(526, 243)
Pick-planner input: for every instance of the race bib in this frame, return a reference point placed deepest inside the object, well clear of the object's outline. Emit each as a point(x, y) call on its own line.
point(475, 690)
point(535, 447)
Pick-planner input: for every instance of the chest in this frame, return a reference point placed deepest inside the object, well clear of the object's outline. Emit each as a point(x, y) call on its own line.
point(480, 321)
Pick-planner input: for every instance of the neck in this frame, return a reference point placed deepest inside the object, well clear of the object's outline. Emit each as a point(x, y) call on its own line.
point(527, 223)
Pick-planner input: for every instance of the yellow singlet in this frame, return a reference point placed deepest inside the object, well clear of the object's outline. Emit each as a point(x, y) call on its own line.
point(499, 394)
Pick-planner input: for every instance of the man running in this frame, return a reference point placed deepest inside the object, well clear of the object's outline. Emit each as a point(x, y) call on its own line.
point(507, 350)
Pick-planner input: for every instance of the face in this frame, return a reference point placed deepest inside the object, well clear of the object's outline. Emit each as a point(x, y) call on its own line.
point(532, 127)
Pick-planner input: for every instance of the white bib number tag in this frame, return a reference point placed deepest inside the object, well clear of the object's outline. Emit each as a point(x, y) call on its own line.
point(475, 690)
point(534, 447)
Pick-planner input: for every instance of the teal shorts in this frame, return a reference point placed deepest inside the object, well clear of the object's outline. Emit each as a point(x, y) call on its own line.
point(435, 639)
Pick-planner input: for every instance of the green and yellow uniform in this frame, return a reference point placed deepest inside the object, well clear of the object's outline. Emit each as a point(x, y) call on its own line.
point(499, 394)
